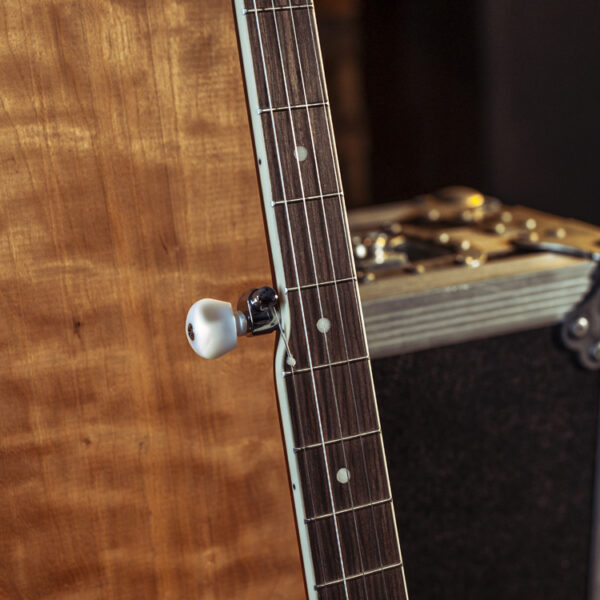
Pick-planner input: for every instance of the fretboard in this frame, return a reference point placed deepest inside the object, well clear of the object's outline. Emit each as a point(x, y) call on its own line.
point(332, 433)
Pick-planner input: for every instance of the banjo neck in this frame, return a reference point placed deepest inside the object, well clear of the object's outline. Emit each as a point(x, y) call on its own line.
point(340, 485)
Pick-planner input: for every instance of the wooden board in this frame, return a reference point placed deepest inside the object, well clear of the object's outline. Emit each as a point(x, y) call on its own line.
point(129, 467)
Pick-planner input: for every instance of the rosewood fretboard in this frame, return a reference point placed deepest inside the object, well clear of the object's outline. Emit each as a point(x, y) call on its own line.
point(337, 461)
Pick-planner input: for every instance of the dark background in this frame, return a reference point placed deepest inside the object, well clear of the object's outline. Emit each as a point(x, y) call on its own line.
point(502, 95)
point(491, 446)
point(495, 500)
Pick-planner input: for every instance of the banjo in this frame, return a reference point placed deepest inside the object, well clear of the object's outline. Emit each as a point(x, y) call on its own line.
point(332, 435)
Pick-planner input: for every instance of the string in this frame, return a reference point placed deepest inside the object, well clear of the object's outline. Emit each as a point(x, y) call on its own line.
point(311, 369)
point(340, 312)
point(302, 439)
point(366, 470)
point(291, 359)
point(349, 368)
point(311, 247)
point(333, 151)
point(302, 193)
point(327, 111)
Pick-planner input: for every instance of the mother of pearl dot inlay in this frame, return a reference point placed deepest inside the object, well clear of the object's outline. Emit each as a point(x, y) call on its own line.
point(301, 153)
point(323, 324)
point(343, 475)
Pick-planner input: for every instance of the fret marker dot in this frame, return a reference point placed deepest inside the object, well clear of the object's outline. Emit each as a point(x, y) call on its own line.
point(301, 153)
point(291, 361)
point(343, 475)
point(323, 324)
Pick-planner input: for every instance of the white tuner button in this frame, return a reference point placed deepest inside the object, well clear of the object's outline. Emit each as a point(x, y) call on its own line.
point(212, 327)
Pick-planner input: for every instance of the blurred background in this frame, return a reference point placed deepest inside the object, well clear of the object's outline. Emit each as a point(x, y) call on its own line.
point(496, 94)
point(502, 96)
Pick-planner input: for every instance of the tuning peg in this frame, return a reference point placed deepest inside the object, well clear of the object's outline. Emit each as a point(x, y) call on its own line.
point(212, 326)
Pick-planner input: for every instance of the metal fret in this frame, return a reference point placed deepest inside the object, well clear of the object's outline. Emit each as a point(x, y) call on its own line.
point(308, 198)
point(335, 513)
point(362, 574)
point(248, 11)
point(292, 107)
point(309, 286)
point(325, 365)
point(337, 440)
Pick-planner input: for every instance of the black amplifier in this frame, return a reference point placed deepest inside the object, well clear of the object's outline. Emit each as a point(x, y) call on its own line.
point(483, 323)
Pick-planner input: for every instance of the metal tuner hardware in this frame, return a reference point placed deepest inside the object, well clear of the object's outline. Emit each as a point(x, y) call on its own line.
point(212, 326)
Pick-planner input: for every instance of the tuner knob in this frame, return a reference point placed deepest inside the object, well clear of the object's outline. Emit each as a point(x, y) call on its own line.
point(212, 327)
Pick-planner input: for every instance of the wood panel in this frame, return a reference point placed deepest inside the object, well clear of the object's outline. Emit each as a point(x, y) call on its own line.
point(130, 468)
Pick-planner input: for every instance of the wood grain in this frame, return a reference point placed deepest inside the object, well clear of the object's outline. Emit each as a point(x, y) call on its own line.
point(129, 468)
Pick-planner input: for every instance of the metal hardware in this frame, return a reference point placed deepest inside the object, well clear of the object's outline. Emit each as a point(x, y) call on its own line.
point(260, 309)
point(260, 306)
point(415, 243)
point(459, 226)
point(581, 329)
point(458, 205)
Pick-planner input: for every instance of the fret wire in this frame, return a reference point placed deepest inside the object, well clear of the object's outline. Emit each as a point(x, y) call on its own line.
point(351, 577)
point(248, 11)
point(347, 510)
point(293, 107)
point(308, 286)
point(338, 440)
point(303, 316)
point(342, 212)
point(325, 365)
point(312, 254)
point(307, 198)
